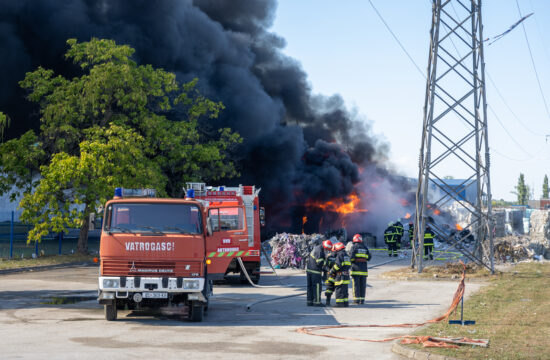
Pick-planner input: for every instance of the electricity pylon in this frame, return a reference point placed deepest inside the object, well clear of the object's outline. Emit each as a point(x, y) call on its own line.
point(454, 135)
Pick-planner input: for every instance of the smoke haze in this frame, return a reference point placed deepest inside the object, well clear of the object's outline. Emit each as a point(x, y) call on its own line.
point(297, 145)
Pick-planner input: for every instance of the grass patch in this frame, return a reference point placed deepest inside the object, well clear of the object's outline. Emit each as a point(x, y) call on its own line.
point(44, 260)
point(444, 271)
point(513, 312)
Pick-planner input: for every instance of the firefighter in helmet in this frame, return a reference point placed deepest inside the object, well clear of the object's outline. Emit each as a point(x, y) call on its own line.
point(330, 257)
point(429, 236)
point(314, 268)
point(339, 273)
point(359, 255)
point(398, 231)
point(390, 238)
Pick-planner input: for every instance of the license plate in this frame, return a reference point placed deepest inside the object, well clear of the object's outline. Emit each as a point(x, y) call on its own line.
point(155, 295)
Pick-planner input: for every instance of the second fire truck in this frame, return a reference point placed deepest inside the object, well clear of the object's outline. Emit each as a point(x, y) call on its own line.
point(236, 217)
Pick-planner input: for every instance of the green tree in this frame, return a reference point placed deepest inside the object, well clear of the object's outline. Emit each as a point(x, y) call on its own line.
point(117, 124)
point(545, 189)
point(522, 190)
point(4, 123)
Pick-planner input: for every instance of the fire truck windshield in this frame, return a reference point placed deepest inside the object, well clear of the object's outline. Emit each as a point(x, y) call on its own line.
point(157, 219)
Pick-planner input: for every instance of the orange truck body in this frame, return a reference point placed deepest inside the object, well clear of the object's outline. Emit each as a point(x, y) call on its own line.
point(236, 218)
point(153, 254)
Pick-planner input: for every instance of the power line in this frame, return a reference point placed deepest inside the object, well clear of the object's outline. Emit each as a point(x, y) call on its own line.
point(396, 39)
point(540, 32)
point(507, 157)
point(509, 108)
point(506, 131)
point(533, 62)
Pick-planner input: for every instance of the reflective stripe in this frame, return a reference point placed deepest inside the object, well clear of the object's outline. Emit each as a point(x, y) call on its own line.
point(328, 291)
point(313, 271)
point(366, 256)
point(363, 273)
point(330, 279)
point(317, 294)
point(320, 260)
point(336, 267)
point(344, 263)
point(229, 253)
point(342, 300)
point(341, 282)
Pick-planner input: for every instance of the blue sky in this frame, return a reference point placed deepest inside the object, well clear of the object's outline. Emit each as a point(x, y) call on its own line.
point(345, 48)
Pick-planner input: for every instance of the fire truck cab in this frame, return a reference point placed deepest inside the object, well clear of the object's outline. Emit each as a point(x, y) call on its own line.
point(235, 218)
point(153, 254)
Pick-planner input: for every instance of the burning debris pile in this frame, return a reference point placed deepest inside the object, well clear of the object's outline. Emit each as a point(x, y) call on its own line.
point(291, 251)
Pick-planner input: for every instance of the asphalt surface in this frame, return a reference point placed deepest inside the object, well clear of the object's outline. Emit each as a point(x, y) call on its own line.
point(54, 315)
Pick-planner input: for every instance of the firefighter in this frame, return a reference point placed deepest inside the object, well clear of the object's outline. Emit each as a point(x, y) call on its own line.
point(314, 268)
point(428, 243)
point(390, 238)
point(339, 273)
point(411, 233)
point(359, 255)
point(329, 263)
point(398, 230)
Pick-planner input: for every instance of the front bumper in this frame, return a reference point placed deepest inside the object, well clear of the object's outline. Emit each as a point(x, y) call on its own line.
point(147, 284)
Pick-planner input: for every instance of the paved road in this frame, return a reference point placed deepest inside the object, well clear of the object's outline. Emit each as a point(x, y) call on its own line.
point(32, 326)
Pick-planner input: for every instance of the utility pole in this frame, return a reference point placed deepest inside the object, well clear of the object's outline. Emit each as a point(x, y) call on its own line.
point(454, 133)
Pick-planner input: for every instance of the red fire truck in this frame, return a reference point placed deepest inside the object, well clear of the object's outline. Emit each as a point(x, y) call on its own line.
point(235, 218)
point(153, 253)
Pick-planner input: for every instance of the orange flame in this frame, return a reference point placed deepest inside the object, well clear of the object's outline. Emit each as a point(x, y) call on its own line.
point(304, 220)
point(340, 206)
point(408, 216)
point(437, 212)
point(459, 228)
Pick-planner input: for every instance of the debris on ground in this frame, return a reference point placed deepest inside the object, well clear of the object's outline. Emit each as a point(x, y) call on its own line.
point(519, 248)
point(291, 251)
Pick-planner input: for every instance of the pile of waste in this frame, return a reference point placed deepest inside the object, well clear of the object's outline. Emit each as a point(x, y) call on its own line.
point(291, 251)
point(515, 248)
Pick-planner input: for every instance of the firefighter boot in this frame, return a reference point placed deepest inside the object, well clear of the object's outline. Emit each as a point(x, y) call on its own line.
point(327, 303)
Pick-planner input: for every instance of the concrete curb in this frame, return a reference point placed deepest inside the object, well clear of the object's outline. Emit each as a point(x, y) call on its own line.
point(417, 354)
point(46, 267)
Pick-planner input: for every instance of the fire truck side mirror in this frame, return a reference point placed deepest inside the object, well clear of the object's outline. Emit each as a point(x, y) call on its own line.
point(262, 216)
point(209, 226)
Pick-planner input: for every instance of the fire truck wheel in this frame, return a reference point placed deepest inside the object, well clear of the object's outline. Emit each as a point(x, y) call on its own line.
point(110, 312)
point(196, 312)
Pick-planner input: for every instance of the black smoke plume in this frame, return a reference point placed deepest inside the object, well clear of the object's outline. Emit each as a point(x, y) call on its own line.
point(297, 145)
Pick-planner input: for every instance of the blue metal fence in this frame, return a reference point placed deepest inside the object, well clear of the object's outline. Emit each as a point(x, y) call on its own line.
point(14, 235)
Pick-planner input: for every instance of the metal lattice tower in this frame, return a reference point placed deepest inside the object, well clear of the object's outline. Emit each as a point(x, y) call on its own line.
point(454, 136)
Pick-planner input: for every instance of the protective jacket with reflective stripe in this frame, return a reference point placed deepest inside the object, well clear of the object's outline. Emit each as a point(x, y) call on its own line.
point(316, 260)
point(359, 255)
point(428, 237)
point(390, 235)
point(340, 269)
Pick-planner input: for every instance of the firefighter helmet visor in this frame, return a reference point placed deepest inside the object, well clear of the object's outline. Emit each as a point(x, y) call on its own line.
point(357, 238)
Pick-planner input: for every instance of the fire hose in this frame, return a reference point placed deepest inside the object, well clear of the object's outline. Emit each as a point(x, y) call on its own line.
point(427, 341)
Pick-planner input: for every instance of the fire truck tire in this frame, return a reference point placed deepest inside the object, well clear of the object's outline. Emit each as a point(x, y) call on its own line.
point(111, 311)
point(196, 312)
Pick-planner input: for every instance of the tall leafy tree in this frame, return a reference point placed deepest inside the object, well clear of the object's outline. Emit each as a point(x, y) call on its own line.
point(545, 189)
point(117, 124)
point(522, 190)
